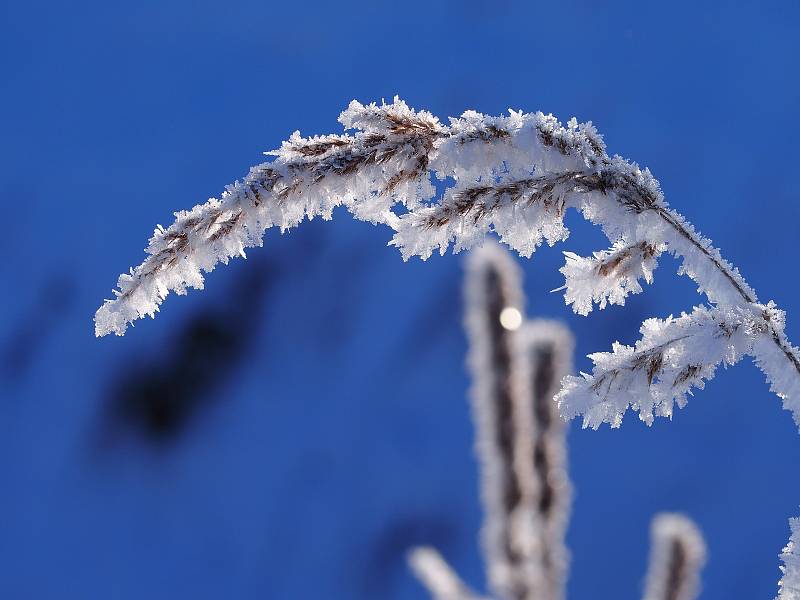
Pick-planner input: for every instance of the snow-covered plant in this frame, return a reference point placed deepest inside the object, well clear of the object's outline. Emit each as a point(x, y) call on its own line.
point(677, 554)
point(521, 446)
point(515, 175)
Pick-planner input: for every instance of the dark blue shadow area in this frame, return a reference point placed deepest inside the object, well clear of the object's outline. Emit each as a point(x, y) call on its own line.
point(290, 431)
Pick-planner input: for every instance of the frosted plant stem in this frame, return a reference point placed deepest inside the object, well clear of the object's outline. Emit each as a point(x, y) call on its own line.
point(543, 357)
point(677, 556)
point(514, 176)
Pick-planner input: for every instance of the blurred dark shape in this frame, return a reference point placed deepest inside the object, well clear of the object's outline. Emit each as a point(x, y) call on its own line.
point(345, 272)
point(32, 330)
point(386, 562)
point(162, 394)
point(442, 315)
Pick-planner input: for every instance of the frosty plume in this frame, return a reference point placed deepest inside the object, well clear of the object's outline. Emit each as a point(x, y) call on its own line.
point(516, 176)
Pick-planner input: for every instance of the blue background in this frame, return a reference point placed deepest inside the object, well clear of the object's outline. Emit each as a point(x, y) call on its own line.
point(291, 431)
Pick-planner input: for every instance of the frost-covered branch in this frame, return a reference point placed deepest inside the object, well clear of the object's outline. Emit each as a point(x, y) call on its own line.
point(789, 585)
point(673, 356)
point(677, 556)
point(368, 172)
point(608, 276)
point(515, 176)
